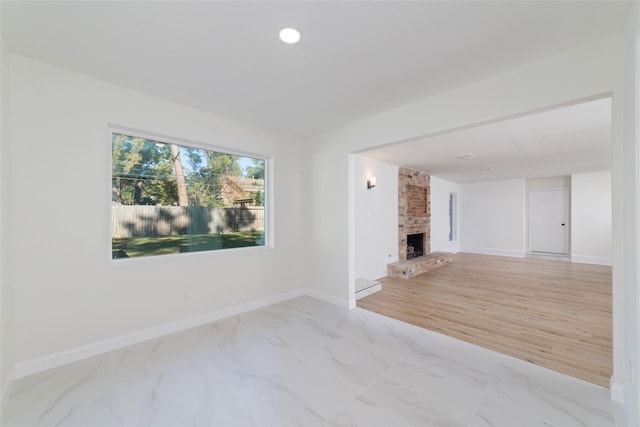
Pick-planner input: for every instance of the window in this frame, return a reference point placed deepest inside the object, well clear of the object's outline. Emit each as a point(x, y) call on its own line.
point(453, 216)
point(169, 198)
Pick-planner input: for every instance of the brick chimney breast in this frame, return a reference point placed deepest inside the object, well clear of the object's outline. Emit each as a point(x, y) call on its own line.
point(414, 209)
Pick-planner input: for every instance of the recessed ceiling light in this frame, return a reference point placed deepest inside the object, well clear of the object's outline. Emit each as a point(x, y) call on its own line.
point(487, 169)
point(290, 35)
point(466, 156)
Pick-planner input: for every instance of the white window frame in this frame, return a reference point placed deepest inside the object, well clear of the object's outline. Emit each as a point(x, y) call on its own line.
point(269, 222)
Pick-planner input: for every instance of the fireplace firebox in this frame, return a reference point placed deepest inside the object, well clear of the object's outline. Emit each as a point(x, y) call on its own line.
point(415, 245)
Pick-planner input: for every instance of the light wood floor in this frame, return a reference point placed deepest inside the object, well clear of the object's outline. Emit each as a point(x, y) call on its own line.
point(552, 313)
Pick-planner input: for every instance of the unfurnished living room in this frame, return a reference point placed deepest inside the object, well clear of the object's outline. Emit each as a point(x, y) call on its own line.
point(343, 213)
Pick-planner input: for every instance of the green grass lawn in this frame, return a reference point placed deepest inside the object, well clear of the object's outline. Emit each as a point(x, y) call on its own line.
point(161, 245)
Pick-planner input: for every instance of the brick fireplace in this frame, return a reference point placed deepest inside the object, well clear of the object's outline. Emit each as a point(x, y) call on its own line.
point(414, 209)
point(414, 218)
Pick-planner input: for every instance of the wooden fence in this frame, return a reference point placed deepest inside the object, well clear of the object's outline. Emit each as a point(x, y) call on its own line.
point(130, 221)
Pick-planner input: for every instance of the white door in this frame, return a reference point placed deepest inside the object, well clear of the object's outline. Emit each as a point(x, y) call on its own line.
point(549, 220)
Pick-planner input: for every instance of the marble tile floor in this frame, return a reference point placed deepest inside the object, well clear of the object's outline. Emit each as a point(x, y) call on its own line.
point(305, 362)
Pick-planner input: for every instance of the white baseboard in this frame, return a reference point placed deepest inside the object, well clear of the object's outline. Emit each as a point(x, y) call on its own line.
point(617, 392)
point(621, 409)
point(600, 260)
point(374, 274)
point(454, 249)
point(377, 287)
point(29, 367)
point(340, 302)
point(379, 272)
point(493, 251)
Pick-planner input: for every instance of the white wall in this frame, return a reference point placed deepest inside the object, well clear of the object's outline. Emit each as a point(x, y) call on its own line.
point(6, 297)
point(626, 242)
point(440, 190)
point(591, 217)
point(376, 217)
point(67, 291)
point(492, 217)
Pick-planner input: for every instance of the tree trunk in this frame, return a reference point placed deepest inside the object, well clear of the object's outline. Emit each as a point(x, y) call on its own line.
point(177, 167)
point(137, 193)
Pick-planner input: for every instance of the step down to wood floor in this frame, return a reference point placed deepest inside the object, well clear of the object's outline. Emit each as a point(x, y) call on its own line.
point(366, 287)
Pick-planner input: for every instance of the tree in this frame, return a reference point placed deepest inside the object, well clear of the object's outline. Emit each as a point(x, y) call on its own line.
point(202, 188)
point(258, 198)
point(208, 184)
point(255, 171)
point(142, 172)
point(223, 164)
point(134, 160)
point(148, 172)
point(179, 173)
point(162, 189)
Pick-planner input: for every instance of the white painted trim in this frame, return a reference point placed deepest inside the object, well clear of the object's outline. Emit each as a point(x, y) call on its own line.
point(374, 274)
point(340, 302)
point(505, 252)
point(377, 287)
point(617, 392)
point(454, 249)
point(269, 204)
point(6, 389)
point(29, 367)
point(600, 260)
point(377, 273)
point(620, 407)
point(492, 251)
point(362, 284)
point(351, 230)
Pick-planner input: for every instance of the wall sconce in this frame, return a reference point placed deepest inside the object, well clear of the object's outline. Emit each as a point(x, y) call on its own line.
point(371, 182)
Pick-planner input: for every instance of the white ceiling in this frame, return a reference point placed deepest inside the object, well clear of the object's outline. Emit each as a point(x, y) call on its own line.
point(355, 58)
point(557, 142)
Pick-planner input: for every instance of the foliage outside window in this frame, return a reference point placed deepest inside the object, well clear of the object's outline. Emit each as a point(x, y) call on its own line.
point(169, 198)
